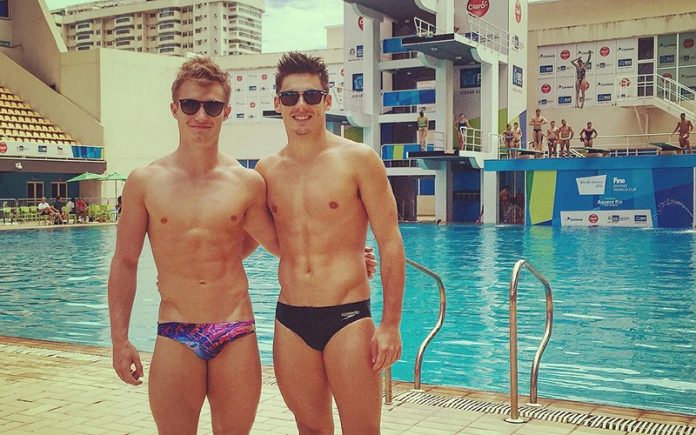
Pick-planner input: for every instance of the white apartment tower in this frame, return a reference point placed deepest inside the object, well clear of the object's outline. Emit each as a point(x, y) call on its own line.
point(172, 27)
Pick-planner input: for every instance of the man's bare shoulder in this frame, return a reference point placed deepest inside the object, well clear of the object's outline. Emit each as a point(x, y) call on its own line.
point(268, 162)
point(349, 147)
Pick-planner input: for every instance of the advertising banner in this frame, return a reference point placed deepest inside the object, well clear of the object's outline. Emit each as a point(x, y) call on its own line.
point(253, 91)
point(564, 54)
point(10, 148)
point(687, 49)
point(604, 89)
point(354, 53)
point(604, 58)
point(546, 91)
point(627, 56)
point(646, 197)
point(547, 61)
point(667, 51)
point(601, 218)
point(517, 58)
point(565, 92)
point(336, 88)
point(467, 91)
point(491, 11)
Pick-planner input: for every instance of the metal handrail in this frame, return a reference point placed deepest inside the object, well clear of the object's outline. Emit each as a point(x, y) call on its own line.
point(424, 345)
point(656, 87)
point(514, 405)
point(424, 28)
point(488, 34)
point(472, 139)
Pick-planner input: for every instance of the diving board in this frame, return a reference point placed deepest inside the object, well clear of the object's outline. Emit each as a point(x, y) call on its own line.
point(593, 151)
point(524, 153)
point(667, 148)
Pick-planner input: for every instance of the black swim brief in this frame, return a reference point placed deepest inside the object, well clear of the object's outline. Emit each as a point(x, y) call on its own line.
point(316, 325)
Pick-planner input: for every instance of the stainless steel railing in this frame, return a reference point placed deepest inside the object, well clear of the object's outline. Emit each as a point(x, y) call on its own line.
point(514, 405)
point(424, 345)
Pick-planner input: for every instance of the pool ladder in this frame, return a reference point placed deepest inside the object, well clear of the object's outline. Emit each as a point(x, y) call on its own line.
point(514, 404)
point(388, 394)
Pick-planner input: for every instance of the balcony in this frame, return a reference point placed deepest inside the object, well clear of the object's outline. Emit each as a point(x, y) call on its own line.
point(120, 22)
point(169, 15)
point(84, 27)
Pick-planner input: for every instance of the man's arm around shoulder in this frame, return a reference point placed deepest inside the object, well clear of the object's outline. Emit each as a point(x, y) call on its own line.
point(132, 226)
point(258, 221)
point(380, 204)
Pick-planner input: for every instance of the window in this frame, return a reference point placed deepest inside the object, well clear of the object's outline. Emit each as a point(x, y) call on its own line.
point(4, 8)
point(646, 48)
point(123, 20)
point(59, 188)
point(35, 189)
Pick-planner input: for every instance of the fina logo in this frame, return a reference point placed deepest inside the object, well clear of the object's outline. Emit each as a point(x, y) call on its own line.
point(591, 185)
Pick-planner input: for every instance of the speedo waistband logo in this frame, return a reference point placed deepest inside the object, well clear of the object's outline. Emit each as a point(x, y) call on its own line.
point(349, 314)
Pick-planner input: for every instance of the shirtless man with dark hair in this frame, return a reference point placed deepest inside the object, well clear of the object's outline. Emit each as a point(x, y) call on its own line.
point(552, 138)
point(565, 134)
point(537, 123)
point(323, 191)
point(684, 128)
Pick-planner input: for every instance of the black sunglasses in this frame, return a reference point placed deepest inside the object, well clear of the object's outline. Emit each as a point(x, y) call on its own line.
point(311, 97)
point(191, 107)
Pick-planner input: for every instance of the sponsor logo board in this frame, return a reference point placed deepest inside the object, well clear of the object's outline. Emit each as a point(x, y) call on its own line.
point(607, 218)
point(595, 185)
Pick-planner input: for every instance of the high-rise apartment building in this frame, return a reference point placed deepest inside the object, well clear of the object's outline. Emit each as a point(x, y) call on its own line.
point(173, 27)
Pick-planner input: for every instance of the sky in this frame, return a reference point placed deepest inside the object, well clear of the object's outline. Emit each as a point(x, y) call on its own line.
point(287, 24)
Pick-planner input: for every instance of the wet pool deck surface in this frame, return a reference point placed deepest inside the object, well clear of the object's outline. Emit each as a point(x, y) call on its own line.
point(58, 388)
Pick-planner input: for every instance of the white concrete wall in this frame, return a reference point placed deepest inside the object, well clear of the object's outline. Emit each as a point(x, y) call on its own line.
point(37, 39)
point(135, 93)
point(54, 106)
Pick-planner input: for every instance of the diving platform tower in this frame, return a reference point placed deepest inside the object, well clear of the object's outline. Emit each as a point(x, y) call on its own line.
point(444, 57)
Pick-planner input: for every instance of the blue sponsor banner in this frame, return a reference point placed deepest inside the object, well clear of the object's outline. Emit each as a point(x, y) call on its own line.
point(517, 76)
point(358, 82)
point(393, 45)
point(665, 193)
point(470, 78)
point(413, 97)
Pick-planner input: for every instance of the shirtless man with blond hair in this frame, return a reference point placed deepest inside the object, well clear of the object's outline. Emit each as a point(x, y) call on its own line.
point(323, 191)
point(684, 128)
point(206, 346)
point(537, 123)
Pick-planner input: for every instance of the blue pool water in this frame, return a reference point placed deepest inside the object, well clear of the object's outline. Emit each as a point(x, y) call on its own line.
point(625, 305)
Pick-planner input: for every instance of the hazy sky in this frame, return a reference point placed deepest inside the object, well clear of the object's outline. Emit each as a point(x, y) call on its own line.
point(287, 24)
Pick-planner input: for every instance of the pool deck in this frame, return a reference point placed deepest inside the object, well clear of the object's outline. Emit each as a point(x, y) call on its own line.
point(57, 388)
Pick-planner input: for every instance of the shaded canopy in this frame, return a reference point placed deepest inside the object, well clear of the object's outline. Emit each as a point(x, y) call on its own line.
point(84, 177)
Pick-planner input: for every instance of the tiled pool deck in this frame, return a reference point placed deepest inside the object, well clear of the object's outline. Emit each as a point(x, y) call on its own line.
point(57, 388)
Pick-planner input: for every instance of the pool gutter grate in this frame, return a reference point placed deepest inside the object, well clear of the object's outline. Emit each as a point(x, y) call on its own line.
point(547, 414)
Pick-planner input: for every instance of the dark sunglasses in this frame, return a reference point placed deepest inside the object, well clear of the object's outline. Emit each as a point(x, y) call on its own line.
point(191, 107)
point(311, 97)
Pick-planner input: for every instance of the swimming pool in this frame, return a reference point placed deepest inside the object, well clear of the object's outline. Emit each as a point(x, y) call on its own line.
point(625, 305)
